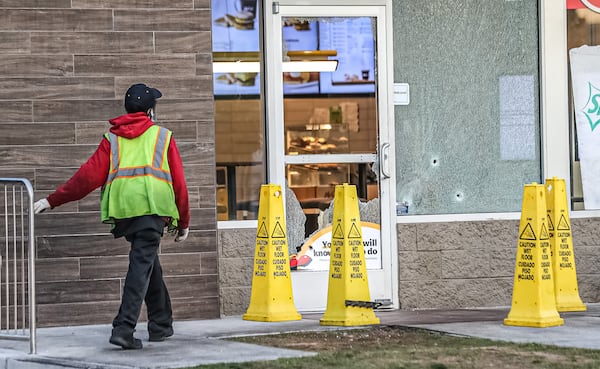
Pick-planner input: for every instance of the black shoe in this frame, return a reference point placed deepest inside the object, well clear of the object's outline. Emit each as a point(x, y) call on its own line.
point(126, 341)
point(160, 336)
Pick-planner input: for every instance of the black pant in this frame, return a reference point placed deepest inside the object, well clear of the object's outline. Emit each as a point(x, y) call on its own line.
point(144, 281)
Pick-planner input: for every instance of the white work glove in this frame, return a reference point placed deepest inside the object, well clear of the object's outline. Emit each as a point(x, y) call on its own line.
point(41, 205)
point(182, 234)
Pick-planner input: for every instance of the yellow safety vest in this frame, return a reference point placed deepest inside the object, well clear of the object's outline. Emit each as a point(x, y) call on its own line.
point(139, 180)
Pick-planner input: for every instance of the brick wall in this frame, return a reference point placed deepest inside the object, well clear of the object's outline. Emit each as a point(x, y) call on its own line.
point(64, 68)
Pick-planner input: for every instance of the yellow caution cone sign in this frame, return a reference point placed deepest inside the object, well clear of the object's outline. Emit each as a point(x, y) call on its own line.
point(566, 290)
point(348, 291)
point(533, 303)
point(271, 299)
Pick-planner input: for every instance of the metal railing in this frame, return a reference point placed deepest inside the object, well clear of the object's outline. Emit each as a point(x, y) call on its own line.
point(17, 262)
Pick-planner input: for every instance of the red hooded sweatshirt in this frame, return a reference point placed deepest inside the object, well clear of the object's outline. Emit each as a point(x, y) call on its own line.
point(93, 173)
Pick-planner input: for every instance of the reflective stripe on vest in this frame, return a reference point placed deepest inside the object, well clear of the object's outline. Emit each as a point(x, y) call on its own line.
point(128, 172)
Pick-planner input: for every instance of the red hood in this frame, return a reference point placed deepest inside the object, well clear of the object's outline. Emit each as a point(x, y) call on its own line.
point(130, 125)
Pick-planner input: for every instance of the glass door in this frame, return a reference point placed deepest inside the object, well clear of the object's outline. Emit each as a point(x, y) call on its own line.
point(327, 124)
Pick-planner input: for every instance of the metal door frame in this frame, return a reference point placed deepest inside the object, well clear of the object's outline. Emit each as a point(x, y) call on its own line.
point(274, 115)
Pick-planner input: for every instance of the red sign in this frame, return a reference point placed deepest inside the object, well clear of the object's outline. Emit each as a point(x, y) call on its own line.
point(578, 4)
point(574, 4)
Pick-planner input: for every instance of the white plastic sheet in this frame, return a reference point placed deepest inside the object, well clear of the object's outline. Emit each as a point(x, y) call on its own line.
point(585, 72)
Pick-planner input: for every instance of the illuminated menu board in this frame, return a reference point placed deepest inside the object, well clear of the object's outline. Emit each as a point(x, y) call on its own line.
point(353, 40)
point(235, 26)
point(299, 34)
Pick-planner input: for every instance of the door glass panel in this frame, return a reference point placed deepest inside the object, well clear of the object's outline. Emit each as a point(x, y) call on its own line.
point(329, 112)
point(314, 186)
point(330, 131)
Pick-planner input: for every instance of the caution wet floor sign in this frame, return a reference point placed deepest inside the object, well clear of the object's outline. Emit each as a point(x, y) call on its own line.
point(348, 290)
point(533, 300)
point(563, 259)
point(271, 299)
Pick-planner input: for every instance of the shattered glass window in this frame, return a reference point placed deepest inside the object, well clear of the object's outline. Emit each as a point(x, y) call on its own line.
point(470, 137)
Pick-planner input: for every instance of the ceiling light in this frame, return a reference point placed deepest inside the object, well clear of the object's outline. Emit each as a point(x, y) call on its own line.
point(298, 61)
point(236, 67)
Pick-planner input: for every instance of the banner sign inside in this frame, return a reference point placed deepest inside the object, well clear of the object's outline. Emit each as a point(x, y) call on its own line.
point(585, 72)
point(315, 251)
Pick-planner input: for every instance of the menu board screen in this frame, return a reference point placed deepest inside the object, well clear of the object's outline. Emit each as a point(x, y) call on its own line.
point(235, 26)
point(234, 29)
point(353, 40)
point(300, 34)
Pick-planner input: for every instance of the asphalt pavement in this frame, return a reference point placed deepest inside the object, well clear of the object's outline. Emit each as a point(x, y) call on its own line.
point(201, 342)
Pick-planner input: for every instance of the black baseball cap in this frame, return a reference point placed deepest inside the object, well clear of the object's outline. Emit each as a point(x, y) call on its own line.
point(140, 97)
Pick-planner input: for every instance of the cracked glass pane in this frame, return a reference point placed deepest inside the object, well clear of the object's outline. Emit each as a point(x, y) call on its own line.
point(470, 137)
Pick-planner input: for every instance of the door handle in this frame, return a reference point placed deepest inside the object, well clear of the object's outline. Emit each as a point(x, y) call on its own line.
point(385, 153)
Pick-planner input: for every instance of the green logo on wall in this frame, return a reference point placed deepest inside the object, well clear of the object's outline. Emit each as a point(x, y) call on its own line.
point(591, 110)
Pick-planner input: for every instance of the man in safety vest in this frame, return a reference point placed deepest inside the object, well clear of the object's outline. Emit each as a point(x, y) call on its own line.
point(143, 192)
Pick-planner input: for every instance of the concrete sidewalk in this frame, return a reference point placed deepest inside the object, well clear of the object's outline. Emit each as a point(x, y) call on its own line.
point(580, 329)
point(197, 342)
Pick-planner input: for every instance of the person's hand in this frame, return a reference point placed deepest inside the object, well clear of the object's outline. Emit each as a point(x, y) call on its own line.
point(182, 234)
point(41, 205)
